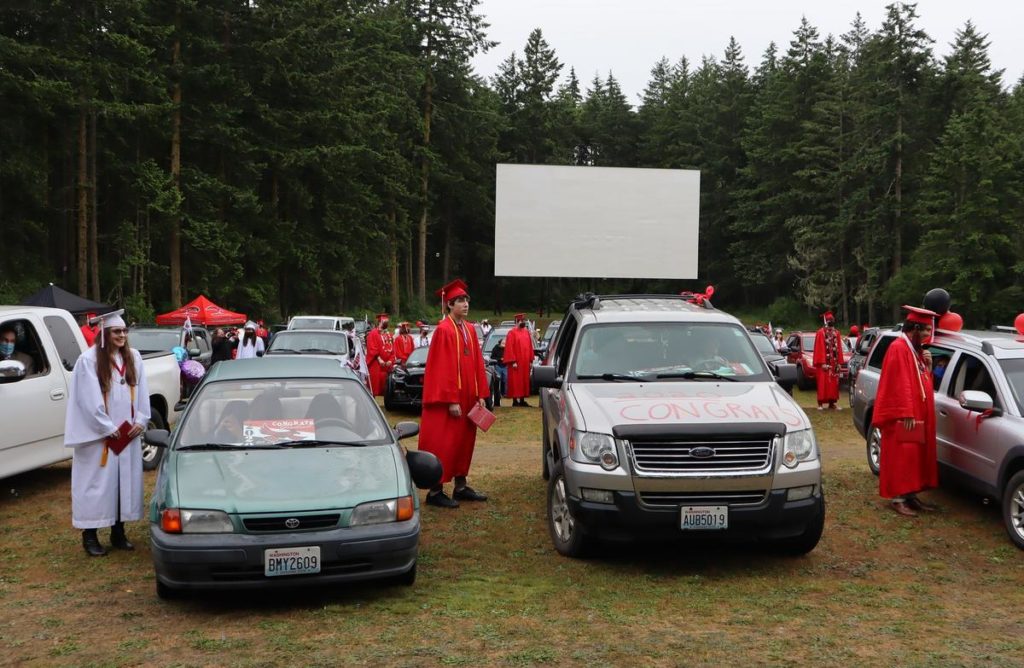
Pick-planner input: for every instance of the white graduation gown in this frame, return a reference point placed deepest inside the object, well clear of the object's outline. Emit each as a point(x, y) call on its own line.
point(94, 488)
point(250, 351)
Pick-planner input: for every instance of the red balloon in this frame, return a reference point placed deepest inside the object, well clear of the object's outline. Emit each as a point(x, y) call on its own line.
point(1018, 324)
point(951, 322)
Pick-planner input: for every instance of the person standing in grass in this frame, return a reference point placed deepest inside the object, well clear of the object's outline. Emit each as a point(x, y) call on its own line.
point(828, 357)
point(454, 381)
point(518, 360)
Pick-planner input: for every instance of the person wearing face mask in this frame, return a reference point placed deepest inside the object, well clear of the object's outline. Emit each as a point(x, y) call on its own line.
point(8, 342)
point(518, 358)
point(828, 358)
point(107, 402)
point(905, 414)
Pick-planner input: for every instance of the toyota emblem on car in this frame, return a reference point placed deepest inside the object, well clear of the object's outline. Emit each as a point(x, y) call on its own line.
point(291, 523)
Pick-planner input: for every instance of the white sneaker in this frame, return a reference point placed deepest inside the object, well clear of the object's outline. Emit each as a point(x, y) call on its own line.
point(838, 407)
point(821, 408)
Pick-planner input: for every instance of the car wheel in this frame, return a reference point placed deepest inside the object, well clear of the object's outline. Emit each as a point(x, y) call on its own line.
point(408, 578)
point(568, 535)
point(874, 449)
point(808, 540)
point(802, 381)
point(545, 447)
point(151, 455)
point(1013, 509)
point(165, 592)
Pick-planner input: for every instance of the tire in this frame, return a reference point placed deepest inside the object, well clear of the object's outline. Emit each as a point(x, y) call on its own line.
point(1013, 509)
point(802, 381)
point(408, 578)
point(568, 536)
point(545, 447)
point(151, 455)
point(808, 540)
point(873, 446)
point(166, 593)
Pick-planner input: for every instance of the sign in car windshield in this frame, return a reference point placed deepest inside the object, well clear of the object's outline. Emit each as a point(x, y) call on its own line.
point(278, 431)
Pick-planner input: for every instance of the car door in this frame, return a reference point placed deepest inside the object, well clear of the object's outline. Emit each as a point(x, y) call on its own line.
point(553, 399)
point(971, 443)
point(201, 340)
point(793, 343)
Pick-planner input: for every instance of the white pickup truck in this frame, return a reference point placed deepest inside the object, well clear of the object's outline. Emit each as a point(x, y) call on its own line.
point(32, 406)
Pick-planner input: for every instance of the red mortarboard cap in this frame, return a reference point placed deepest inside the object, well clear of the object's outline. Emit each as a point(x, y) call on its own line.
point(453, 290)
point(382, 316)
point(520, 316)
point(827, 315)
point(854, 330)
point(921, 315)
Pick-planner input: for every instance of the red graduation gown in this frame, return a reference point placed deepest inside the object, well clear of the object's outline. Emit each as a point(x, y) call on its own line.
point(518, 349)
point(454, 374)
point(827, 366)
point(379, 347)
point(905, 390)
point(404, 345)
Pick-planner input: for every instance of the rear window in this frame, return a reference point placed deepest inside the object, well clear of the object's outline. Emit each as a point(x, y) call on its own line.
point(878, 352)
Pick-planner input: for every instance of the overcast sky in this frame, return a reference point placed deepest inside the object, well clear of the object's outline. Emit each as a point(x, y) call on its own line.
point(629, 36)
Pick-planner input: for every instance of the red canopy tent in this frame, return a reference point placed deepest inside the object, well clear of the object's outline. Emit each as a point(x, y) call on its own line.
point(202, 312)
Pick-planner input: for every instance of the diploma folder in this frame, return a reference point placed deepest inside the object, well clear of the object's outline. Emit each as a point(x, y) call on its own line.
point(915, 435)
point(481, 417)
point(121, 441)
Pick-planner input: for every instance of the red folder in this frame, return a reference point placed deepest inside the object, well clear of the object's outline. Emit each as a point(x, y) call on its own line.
point(915, 435)
point(481, 417)
point(121, 441)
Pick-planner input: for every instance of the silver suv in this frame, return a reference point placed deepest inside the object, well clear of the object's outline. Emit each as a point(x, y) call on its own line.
point(978, 412)
point(661, 419)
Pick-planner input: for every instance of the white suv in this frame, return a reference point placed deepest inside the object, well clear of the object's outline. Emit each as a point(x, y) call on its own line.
point(318, 322)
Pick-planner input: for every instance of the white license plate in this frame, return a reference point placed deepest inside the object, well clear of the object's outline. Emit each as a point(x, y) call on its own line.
point(291, 561)
point(704, 518)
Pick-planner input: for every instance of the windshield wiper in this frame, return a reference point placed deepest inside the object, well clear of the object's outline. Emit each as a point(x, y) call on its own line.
point(273, 351)
point(228, 446)
point(320, 351)
point(319, 444)
point(611, 377)
point(690, 375)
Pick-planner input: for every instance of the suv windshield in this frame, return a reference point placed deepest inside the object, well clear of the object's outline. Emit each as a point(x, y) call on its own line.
point(269, 412)
point(1014, 371)
point(763, 344)
point(321, 343)
point(312, 323)
point(667, 351)
point(153, 340)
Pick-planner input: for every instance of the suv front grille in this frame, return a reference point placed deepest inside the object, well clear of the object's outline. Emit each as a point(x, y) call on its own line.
point(306, 522)
point(749, 454)
point(741, 498)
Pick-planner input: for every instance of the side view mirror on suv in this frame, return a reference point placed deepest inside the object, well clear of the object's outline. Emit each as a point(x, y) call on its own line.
point(973, 400)
point(784, 372)
point(546, 376)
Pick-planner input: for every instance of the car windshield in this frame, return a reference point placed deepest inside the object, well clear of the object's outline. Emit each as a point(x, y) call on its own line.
point(496, 334)
point(152, 340)
point(667, 351)
point(1014, 371)
point(312, 323)
point(807, 343)
point(418, 357)
point(255, 413)
point(552, 329)
point(313, 343)
point(764, 344)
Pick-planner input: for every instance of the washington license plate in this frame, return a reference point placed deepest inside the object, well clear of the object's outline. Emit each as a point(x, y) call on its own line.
point(291, 561)
point(704, 518)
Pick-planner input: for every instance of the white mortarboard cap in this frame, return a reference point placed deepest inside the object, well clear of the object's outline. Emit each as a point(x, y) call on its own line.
point(250, 325)
point(112, 319)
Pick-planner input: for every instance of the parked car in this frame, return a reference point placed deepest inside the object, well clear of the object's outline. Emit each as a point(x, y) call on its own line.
point(314, 342)
point(33, 406)
point(661, 419)
point(549, 335)
point(860, 354)
point(164, 339)
point(404, 388)
point(771, 355)
point(801, 353)
point(979, 414)
point(318, 322)
point(283, 472)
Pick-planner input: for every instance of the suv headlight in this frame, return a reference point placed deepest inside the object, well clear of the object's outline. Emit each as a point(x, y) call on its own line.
point(799, 446)
point(592, 448)
point(182, 520)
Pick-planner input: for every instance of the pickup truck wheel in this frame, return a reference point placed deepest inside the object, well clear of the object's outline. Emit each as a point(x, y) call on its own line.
point(874, 449)
point(808, 540)
point(151, 455)
point(567, 534)
point(802, 381)
point(1013, 509)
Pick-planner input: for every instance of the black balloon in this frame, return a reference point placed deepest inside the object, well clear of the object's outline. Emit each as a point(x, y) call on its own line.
point(937, 300)
point(424, 468)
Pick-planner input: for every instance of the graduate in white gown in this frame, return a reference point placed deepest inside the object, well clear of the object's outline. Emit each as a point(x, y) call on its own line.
point(108, 388)
point(250, 345)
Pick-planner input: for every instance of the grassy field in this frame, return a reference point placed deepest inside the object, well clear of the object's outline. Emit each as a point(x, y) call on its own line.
point(880, 589)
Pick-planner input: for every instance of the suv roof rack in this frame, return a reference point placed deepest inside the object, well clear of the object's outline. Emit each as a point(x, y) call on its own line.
point(591, 301)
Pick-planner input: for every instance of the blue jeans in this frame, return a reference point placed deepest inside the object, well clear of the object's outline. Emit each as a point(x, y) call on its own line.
point(502, 378)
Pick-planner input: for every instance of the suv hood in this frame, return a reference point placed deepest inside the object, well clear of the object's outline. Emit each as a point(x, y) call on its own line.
point(272, 481)
point(606, 405)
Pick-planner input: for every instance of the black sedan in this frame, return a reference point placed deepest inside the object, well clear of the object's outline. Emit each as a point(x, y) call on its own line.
point(766, 347)
point(404, 389)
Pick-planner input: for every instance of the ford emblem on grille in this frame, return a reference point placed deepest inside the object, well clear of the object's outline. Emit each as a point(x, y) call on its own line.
point(293, 523)
point(703, 452)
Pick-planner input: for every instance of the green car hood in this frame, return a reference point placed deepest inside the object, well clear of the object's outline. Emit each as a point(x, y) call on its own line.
point(280, 481)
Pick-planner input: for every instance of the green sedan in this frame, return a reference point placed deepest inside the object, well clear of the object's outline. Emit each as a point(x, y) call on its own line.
point(283, 472)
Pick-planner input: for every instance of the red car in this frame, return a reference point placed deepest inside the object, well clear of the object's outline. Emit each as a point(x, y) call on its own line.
point(801, 353)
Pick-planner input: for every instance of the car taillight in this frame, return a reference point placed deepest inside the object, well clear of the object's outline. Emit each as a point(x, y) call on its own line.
point(170, 520)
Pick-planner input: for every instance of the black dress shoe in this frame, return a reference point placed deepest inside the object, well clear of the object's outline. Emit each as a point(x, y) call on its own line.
point(91, 543)
point(118, 538)
point(467, 493)
point(441, 500)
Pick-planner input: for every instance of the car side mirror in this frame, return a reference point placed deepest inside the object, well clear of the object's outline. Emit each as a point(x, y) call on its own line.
point(424, 468)
point(546, 376)
point(156, 437)
point(180, 406)
point(11, 371)
point(785, 372)
point(406, 429)
point(973, 400)
point(784, 350)
point(194, 352)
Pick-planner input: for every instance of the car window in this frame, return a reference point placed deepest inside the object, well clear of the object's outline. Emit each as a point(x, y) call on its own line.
point(154, 340)
point(878, 352)
point(313, 323)
point(864, 345)
point(496, 334)
point(314, 343)
point(64, 340)
point(793, 343)
point(940, 364)
point(971, 374)
point(566, 334)
point(764, 344)
point(1014, 371)
point(648, 349)
point(807, 343)
point(266, 412)
point(28, 348)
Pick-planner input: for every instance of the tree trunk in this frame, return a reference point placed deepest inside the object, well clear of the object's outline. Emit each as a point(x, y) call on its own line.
point(175, 238)
point(421, 268)
point(409, 287)
point(83, 203)
point(897, 235)
point(94, 233)
point(446, 255)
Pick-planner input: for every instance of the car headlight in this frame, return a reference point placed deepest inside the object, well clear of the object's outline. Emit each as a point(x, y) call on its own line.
point(798, 446)
point(591, 448)
point(379, 512)
point(183, 520)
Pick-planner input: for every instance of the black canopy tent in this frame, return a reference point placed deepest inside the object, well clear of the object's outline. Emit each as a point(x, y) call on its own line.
point(55, 297)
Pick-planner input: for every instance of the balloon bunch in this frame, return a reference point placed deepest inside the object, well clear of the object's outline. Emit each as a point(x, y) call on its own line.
point(698, 297)
point(191, 370)
point(938, 300)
